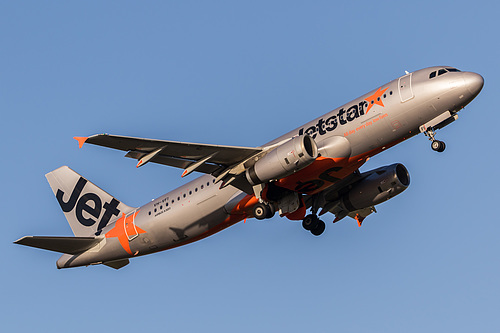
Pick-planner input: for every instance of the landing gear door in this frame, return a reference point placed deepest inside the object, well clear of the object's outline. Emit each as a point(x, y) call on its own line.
point(405, 91)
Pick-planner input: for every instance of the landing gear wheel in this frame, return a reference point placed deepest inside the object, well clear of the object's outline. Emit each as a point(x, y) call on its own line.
point(438, 146)
point(319, 228)
point(310, 222)
point(262, 211)
point(270, 211)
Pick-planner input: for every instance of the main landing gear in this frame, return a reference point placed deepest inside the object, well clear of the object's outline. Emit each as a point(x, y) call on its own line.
point(313, 224)
point(436, 145)
point(263, 211)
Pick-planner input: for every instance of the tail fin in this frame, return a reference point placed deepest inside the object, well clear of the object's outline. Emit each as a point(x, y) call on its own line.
point(87, 208)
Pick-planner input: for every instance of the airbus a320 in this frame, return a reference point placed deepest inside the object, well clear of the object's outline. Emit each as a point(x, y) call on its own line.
point(313, 168)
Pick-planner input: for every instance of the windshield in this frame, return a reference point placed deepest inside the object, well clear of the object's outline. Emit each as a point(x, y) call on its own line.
point(442, 71)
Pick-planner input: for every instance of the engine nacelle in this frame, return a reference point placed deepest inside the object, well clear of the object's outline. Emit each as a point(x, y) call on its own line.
point(284, 160)
point(378, 186)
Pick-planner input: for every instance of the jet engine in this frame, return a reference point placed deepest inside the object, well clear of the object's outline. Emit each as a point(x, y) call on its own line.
point(284, 160)
point(377, 186)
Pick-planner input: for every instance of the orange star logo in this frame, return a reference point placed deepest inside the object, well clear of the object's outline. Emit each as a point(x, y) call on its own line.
point(376, 98)
point(123, 229)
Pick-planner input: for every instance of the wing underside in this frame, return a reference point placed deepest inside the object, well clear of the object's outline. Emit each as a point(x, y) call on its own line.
point(175, 153)
point(226, 163)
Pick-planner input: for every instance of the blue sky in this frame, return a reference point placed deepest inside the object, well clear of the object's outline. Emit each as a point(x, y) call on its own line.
point(243, 73)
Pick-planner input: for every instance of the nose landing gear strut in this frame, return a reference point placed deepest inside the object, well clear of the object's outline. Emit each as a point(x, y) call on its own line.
point(440, 121)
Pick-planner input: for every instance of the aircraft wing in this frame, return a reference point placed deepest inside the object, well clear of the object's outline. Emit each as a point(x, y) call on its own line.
point(205, 158)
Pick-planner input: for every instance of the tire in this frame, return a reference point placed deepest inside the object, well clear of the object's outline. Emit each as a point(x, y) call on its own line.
point(270, 211)
point(320, 228)
point(310, 222)
point(261, 211)
point(442, 147)
point(438, 146)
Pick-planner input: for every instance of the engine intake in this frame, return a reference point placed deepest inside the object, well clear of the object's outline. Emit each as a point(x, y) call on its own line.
point(377, 186)
point(284, 160)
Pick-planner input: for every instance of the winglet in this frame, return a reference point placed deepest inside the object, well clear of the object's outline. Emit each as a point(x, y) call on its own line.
point(81, 140)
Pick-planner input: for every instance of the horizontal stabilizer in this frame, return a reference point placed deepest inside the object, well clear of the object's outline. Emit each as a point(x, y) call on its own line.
point(69, 245)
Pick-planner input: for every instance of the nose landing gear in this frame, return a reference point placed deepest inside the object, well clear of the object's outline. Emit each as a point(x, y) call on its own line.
point(436, 145)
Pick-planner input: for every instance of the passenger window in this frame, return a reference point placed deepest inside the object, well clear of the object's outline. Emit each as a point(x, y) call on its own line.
point(432, 75)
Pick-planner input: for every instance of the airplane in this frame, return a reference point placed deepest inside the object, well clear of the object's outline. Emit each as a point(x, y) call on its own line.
point(314, 167)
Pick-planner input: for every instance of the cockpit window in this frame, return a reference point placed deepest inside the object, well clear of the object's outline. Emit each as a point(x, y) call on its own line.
point(442, 71)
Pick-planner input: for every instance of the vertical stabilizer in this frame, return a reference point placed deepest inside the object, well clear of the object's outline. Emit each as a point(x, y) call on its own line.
point(87, 208)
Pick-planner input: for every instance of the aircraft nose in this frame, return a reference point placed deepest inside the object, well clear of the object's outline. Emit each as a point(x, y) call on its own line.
point(474, 82)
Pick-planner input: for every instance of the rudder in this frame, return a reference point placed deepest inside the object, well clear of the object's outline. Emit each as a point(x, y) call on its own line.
point(87, 207)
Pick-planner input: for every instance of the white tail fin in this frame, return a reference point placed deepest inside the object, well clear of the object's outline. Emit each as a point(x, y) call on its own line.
point(87, 208)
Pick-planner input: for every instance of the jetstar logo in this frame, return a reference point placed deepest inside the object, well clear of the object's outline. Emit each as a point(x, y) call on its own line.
point(90, 203)
point(343, 116)
point(123, 229)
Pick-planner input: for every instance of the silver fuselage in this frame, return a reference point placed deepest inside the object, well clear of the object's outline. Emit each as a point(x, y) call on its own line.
point(371, 123)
